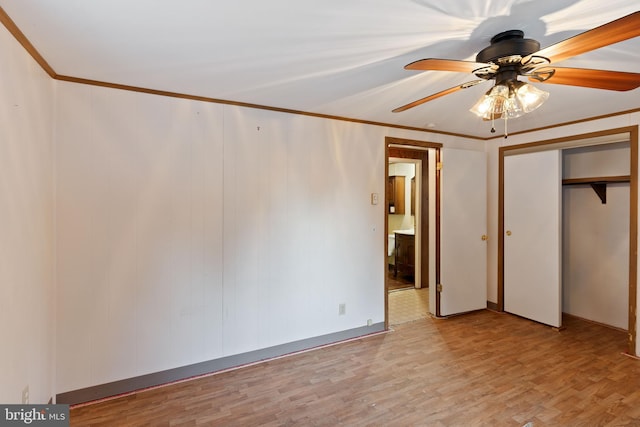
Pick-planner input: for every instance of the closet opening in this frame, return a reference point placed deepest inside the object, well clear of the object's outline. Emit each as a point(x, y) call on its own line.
point(597, 185)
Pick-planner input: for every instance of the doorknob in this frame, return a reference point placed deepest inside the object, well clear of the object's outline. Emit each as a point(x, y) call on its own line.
point(508, 232)
point(485, 237)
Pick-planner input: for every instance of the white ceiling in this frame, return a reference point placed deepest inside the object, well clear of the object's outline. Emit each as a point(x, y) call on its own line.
point(336, 57)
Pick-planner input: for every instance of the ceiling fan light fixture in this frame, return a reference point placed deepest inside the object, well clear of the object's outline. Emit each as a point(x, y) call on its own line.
point(511, 55)
point(509, 100)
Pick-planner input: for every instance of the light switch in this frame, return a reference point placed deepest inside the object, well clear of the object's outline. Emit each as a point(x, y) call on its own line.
point(374, 198)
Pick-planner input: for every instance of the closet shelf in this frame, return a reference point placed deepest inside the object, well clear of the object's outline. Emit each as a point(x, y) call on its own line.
point(599, 184)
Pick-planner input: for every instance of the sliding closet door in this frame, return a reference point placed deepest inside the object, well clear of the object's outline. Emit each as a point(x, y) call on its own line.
point(532, 241)
point(463, 224)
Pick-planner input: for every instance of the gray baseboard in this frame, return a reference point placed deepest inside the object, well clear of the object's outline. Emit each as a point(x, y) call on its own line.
point(184, 372)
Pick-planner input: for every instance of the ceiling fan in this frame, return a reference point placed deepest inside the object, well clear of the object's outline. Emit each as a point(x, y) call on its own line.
point(511, 55)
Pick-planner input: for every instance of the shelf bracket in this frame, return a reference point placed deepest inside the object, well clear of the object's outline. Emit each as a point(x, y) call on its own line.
point(599, 184)
point(601, 190)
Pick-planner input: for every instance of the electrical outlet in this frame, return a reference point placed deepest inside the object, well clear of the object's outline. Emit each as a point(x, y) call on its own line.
point(342, 309)
point(25, 395)
point(369, 322)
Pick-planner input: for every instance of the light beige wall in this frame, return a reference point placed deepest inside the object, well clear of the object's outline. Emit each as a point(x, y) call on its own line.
point(26, 211)
point(190, 231)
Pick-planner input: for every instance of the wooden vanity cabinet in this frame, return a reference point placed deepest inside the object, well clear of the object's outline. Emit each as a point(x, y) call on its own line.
point(405, 255)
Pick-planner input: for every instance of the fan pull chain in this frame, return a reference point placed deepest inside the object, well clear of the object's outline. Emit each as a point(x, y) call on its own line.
point(506, 132)
point(493, 124)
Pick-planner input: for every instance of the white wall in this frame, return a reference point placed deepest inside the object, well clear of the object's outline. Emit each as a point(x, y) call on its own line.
point(190, 231)
point(492, 147)
point(596, 161)
point(26, 232)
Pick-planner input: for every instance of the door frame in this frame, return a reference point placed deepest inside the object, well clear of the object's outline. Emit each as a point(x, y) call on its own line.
point(416, 150)
point(572, 142)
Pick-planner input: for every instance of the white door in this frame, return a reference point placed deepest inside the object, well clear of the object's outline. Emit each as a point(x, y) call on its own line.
point(532, 241)
point(463, 263)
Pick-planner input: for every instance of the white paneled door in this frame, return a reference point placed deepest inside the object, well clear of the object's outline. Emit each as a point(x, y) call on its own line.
point(463, 264)
point(532, 241)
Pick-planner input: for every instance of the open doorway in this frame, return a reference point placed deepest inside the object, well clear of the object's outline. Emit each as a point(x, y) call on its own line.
point(408, 299)
point(410, 196)
point(403, 255)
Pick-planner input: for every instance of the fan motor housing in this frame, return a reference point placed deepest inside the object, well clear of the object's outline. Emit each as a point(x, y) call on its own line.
point(507, 44)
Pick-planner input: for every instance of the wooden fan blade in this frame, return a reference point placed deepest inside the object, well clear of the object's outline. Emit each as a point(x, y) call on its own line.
point(598, 79)
point(437, 95)
point(445, 65)
point(613, 32)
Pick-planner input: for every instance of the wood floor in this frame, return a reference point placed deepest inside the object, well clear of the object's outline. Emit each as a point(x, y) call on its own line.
point(479, 369)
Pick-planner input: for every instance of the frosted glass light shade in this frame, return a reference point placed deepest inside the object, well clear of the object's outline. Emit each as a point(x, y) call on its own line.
point(492, 103)
point(530, 97)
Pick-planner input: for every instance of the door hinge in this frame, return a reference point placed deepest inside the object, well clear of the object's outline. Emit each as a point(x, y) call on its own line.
point(439, 166)
point(439, 287)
